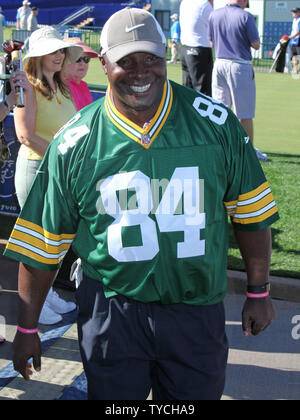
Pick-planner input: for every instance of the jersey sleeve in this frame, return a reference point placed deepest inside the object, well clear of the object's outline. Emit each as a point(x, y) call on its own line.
point(248, 200)
point(47, 225)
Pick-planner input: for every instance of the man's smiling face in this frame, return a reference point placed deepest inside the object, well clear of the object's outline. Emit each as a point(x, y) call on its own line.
point(137, 83)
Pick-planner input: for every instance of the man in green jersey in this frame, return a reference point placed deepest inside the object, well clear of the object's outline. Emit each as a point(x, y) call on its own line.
point(141, 183)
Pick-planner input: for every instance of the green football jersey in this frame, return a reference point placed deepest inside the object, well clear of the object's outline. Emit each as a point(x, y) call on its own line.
point(146, 209)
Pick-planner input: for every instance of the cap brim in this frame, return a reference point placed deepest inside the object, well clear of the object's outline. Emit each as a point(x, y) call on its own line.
point(86, 49)
point(90, 52)
point(115, 54)
point(49, 46)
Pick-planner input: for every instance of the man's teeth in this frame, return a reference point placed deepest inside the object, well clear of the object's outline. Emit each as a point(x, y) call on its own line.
point(140, 89)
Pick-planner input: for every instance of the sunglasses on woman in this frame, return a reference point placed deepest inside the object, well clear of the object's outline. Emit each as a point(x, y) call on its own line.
point(85, 59)
point(61, 50)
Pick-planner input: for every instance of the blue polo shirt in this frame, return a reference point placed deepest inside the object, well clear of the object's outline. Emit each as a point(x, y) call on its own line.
point(296, 28)
point(232, 30)
point(175, 31)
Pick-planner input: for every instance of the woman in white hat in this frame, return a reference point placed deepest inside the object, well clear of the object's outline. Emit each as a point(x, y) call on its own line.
point(48, 106)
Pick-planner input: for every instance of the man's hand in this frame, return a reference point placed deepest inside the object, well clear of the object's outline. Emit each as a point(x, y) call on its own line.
point(258, 314)
point(27, 346)
point(34, 286)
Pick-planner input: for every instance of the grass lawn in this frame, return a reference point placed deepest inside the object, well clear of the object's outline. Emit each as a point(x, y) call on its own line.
point(283, 174)
point(277, 132)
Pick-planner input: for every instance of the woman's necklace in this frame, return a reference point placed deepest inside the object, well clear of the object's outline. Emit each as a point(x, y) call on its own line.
point(58, 100)
point(55, 90)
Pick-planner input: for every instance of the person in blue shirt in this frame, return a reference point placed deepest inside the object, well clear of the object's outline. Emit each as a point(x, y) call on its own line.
point(233, 32)
point(175, 38)
point(295, 38)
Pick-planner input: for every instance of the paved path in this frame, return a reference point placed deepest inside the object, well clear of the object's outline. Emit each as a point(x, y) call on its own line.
point(266, 367)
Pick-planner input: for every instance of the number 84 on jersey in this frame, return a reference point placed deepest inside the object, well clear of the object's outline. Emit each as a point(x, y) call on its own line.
point(178, 211)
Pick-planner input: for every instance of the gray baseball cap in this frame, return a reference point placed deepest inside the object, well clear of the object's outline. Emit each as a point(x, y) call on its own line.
point(129, 31)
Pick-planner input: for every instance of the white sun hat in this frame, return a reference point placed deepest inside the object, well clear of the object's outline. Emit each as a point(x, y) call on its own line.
point(47, 40)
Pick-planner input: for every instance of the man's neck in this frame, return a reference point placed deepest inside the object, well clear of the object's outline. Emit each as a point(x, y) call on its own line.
point(240, 3)
point(140, 118)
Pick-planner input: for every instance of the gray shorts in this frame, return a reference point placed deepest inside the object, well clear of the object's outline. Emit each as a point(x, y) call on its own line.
point(234, 84)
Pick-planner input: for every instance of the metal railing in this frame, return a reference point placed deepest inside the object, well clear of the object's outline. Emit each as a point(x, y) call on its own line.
point(76, 14)
point(89, 35)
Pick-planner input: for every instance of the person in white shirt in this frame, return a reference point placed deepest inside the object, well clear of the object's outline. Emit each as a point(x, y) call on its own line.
point(196, 53)
point(23, 14)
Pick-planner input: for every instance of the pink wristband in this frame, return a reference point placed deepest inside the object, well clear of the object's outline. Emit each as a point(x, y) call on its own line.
point(24, 331)
point(258, 296)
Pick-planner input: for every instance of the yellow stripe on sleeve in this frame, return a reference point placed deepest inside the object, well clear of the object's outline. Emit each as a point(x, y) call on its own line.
point(255, 206)
point(255, 192)
point(46, 234)
point(40, 244)
point(257, 219)
point(32, 255)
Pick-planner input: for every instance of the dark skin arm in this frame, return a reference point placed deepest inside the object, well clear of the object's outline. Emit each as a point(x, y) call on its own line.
point(34, 286)
point(255, 248)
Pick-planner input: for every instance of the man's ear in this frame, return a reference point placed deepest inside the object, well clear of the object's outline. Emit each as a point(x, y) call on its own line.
point(103, 63)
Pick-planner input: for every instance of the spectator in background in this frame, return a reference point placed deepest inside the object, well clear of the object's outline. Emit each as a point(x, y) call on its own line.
point(2, 24)
point(16, 79)
point(48, 106)
point(77, 71)
point(23, 14)
point(32, 23)
point(295, 39)
point(233, 32)
point(175, 38)
point(196, 51)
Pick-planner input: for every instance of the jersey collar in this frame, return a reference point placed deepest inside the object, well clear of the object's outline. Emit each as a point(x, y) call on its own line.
point(143, 136)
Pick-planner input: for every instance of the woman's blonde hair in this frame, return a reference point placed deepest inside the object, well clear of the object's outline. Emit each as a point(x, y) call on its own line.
point(34, 69)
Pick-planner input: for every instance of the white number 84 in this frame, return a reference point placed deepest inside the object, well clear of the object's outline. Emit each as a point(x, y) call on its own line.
point(184, 183)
